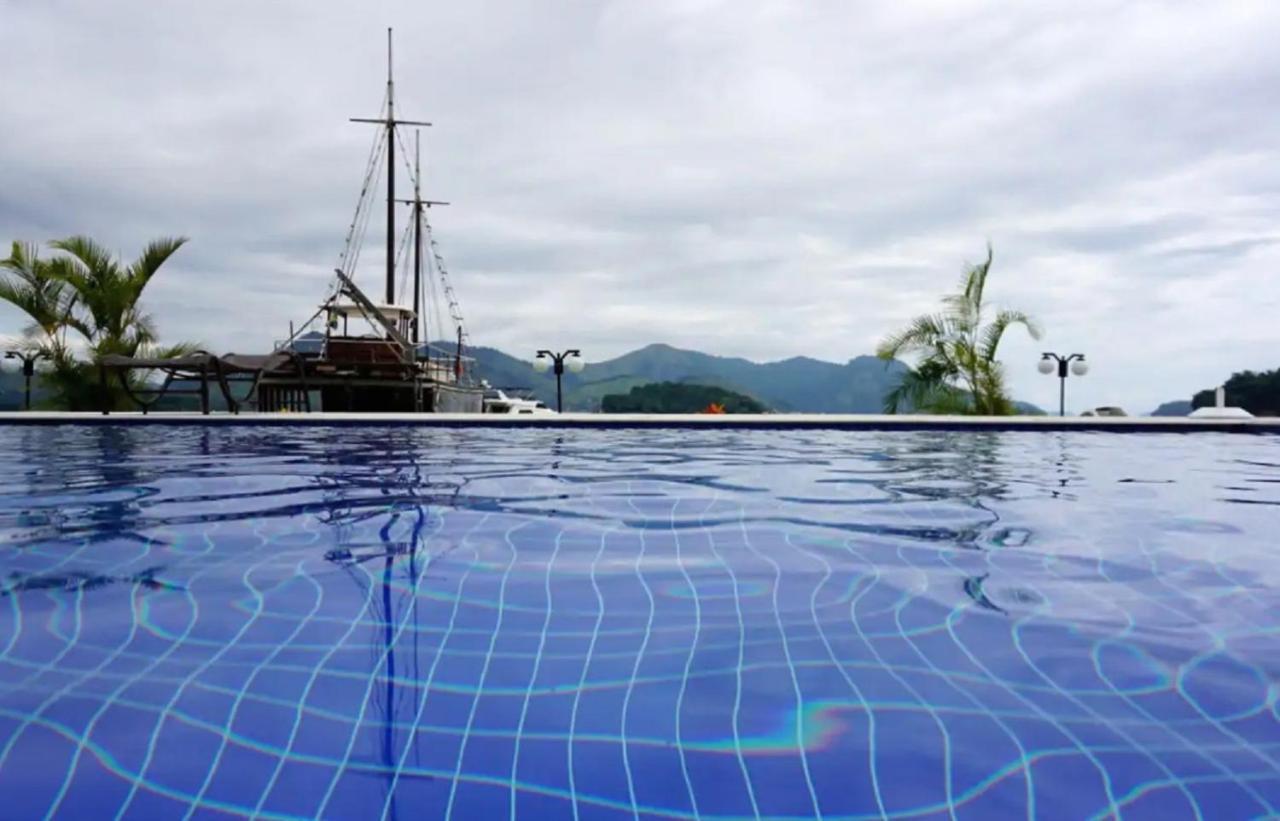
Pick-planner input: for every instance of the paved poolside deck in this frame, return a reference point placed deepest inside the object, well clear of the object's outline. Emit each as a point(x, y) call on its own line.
point(780, 421)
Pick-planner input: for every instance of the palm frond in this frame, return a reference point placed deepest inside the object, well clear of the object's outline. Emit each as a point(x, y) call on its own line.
point(926, 388)
point(153, 256)
point(966, 304)
point(94, 260)
point(924, 334)
point(994, 332)
point(29, 285)
point(908, 393)
point(977, 279)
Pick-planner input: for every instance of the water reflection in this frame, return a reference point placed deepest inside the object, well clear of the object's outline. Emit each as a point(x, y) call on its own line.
point(389, 574)
point(73, 581)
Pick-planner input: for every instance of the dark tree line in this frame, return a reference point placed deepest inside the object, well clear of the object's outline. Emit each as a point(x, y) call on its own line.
point(679, 397)
point(1256, 392)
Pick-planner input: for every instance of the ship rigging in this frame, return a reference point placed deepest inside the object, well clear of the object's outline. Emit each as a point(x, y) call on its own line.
point(352, 354)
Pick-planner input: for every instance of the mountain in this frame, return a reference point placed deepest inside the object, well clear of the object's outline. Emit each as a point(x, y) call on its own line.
point(797, 384)
point(1178, 407)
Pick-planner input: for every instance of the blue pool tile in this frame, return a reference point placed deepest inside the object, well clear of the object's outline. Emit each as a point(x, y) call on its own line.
point(263, 723)
point(436, 751)
point(1004, 796)
point(600, 711)
point(600, 770)
point(240, 776)
point(181, 756)
point(489, 756)
point(658, 775)
point(1070, 779)
point(33, 793)
point(93, 791)
point(778, 782)
point(481, 800)
point(535, 805)
point(1167, 801)
point(544, 764)
point(298, 789)
point(148, 805)
point(1228, 798)
point(550, 713)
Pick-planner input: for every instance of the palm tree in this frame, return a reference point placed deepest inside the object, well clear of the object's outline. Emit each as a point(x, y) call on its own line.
point(958, 371)
point(87, 290)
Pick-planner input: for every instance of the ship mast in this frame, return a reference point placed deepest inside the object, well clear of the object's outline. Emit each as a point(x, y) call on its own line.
point(417, 240)
point(417, 204)
point(389, 123)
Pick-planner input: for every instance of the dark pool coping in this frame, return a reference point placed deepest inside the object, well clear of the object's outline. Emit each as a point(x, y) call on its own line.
point(800, 421)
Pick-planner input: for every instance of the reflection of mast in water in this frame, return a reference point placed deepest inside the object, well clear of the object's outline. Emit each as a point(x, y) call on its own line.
point(386, 608)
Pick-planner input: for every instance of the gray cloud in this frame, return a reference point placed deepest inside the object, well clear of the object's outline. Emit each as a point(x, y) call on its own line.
point(763, 180)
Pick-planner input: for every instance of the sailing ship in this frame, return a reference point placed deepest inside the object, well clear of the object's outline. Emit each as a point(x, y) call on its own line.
point(353, 354)
point(376, 356)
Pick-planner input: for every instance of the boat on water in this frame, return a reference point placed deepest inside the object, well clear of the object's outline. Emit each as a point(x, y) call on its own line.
point(509, 401)
point(354, 354)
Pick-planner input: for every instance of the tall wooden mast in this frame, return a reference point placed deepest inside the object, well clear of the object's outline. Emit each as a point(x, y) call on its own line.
point(418, 318)
point(416, 205)
point(389, 122)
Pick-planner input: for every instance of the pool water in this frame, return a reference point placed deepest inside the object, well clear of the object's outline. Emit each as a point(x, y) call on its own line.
point(359, 622)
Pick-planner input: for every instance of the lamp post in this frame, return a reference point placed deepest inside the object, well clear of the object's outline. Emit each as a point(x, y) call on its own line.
point(1077, 366)
point(28, 369)
point(571, 359)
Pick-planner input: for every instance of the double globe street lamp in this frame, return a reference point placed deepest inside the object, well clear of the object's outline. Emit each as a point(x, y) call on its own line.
point(28, 369)
point(1077, 366)
point(570, 359)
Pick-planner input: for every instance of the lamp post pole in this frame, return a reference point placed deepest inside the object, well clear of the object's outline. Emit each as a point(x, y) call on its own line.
point(28, 369)
point(1076, 364)
point(558, 361)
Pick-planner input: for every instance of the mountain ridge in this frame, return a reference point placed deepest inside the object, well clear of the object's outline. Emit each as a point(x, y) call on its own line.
point(799, 383)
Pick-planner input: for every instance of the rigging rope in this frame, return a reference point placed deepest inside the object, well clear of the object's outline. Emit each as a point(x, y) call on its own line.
point(455, 311)
point(353, 256)
point(370, 173)
point(404, 152)
point(402, 255)
point(437, 318)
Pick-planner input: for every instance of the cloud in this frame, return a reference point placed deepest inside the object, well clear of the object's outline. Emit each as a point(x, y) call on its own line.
point(764, 180)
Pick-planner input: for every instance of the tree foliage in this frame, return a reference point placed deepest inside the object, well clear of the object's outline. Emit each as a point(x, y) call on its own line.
point(1256, 391)
point(84, 303)
point(957, 371)
point(679, 397)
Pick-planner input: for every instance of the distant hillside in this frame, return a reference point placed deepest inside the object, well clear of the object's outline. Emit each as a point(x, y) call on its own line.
point(799, 384)
point(13, 387)
point(1178, 407)
point(679, 397)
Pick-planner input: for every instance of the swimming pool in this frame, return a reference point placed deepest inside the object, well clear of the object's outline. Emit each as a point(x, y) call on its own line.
point(362, 621)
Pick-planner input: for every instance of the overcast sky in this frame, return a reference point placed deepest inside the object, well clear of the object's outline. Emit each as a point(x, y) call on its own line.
point(758, 179)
